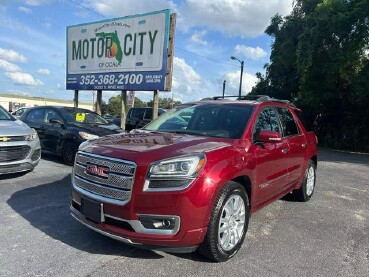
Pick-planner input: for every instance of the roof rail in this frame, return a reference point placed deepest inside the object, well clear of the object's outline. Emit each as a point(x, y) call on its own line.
point(257, 98)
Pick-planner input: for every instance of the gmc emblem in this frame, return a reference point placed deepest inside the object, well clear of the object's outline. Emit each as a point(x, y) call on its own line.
point(97, 170)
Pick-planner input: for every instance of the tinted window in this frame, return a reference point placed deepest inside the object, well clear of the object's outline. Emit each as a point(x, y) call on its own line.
point(267, 120)
point(227, 121)
point(148, 114)
point(288, 122)
point(81, 116)
point(307, 125)
point(4, 115)
point(49, 114)
point(36, 115)
point(137, 113)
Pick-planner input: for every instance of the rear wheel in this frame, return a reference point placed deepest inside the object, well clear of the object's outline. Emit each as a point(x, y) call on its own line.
point(228, 223)
point(306, 190)
point(69, 152)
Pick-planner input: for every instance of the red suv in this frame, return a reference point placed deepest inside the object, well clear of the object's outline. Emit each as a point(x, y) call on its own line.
point(191, 178)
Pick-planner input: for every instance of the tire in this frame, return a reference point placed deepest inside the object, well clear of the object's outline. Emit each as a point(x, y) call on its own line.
point(228, 223)
point(306, 191)
point(69, 152)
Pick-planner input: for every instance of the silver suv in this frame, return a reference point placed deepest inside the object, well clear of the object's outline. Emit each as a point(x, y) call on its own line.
point(20, 148)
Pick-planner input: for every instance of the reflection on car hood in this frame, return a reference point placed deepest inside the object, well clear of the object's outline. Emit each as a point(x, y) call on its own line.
point(14, 128)
point(141, 145)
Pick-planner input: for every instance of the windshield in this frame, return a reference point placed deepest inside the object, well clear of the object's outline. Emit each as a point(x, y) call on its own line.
point(225, 121)
point(83, 117)
point(4, 115)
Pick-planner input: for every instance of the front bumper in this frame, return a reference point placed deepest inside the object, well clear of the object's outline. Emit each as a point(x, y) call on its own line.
point(189, 208)
point(26, 163)
point(128, 241)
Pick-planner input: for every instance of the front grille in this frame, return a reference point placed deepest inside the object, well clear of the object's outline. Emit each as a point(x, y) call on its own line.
point(117, 186)
point(14, 153)
point(12, 138)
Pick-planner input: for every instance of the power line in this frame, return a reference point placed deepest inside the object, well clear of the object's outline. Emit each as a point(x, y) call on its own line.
point(193, 53)
point(87, 8)
point(211, 59)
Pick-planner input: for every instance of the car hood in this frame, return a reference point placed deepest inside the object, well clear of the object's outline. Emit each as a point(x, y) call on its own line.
point(99, 130)
point(14, 128)
point(148, 146)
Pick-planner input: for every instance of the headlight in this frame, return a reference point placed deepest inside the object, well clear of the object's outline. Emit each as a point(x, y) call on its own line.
point(32, 136)
point(87, 136)
point(188, 166)
point(174, 174)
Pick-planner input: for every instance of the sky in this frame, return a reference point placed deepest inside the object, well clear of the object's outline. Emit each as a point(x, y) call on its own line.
point(208, 33)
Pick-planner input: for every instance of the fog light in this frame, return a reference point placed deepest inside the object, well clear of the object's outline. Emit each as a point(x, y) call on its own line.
point(159, 222)
point(36, 155)
point(166, 223)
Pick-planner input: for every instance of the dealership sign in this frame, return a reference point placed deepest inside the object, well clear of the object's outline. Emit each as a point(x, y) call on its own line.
point(128, 53)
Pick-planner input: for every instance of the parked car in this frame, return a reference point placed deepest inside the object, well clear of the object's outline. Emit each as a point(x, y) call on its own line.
point(191, 178)
point(18, 113)
point(20, 148)
point(63, 129)
point(137, 118)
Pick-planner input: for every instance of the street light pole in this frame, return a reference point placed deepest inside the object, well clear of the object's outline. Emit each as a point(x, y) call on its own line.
point(224, 83)
point(241, 62)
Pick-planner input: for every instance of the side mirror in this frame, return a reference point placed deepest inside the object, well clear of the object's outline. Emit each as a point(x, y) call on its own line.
point(57, 121)
point(269, 136)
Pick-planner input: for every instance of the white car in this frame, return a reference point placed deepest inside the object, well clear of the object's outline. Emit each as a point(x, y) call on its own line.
point(20, 148)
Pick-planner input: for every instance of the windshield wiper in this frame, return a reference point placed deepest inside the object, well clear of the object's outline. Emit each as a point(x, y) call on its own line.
point(186, 132)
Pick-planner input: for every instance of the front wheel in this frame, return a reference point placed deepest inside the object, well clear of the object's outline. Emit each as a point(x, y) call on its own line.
point(306, 190)
point(69, 152)
point(228, 223)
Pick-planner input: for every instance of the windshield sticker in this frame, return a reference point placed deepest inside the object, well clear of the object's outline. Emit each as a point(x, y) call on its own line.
point(80, 117)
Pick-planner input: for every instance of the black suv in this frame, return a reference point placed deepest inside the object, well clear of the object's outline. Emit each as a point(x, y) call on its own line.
point(137, 118)
point(62, 129)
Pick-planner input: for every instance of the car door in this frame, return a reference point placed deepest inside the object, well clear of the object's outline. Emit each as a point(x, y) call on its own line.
point(271, 169)
point(53, 132)
point(35, 120)
point(297, 145)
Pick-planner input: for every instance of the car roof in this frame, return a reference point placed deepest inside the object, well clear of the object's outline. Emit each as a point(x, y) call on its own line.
point(254, 100)
point(60, 108)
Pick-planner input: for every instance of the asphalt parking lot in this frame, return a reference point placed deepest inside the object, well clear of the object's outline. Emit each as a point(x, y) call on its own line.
point(327, 236)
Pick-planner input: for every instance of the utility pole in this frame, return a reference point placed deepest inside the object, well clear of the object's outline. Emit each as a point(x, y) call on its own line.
point(241, 62)
point(224, 83)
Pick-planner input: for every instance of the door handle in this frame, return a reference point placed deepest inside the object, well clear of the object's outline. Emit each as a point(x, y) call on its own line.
point(285, 150)
point(303, 145)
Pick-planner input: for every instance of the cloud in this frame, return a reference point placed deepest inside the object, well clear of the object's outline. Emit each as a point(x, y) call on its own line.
point(43, 71)
point(233, 82)
point(232, 17)
point(21, 78)
point(38, 2)
point(250, 52)
point(47, 25)
point(114, 7)
point(186, 80)
point(12, 56)
point(197, 37)
point(25, 10)
point(9, 67)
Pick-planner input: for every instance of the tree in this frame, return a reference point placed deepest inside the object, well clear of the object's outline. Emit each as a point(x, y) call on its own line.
point(165, 103)
point(319, 61)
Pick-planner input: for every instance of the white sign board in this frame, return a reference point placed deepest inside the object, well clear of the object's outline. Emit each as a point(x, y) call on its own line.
point(128, 53)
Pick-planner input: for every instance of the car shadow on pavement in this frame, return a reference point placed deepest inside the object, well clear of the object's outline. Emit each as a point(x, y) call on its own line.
point(46, 207)
point(12, 175)
point(326, 155)
point(52, 157)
